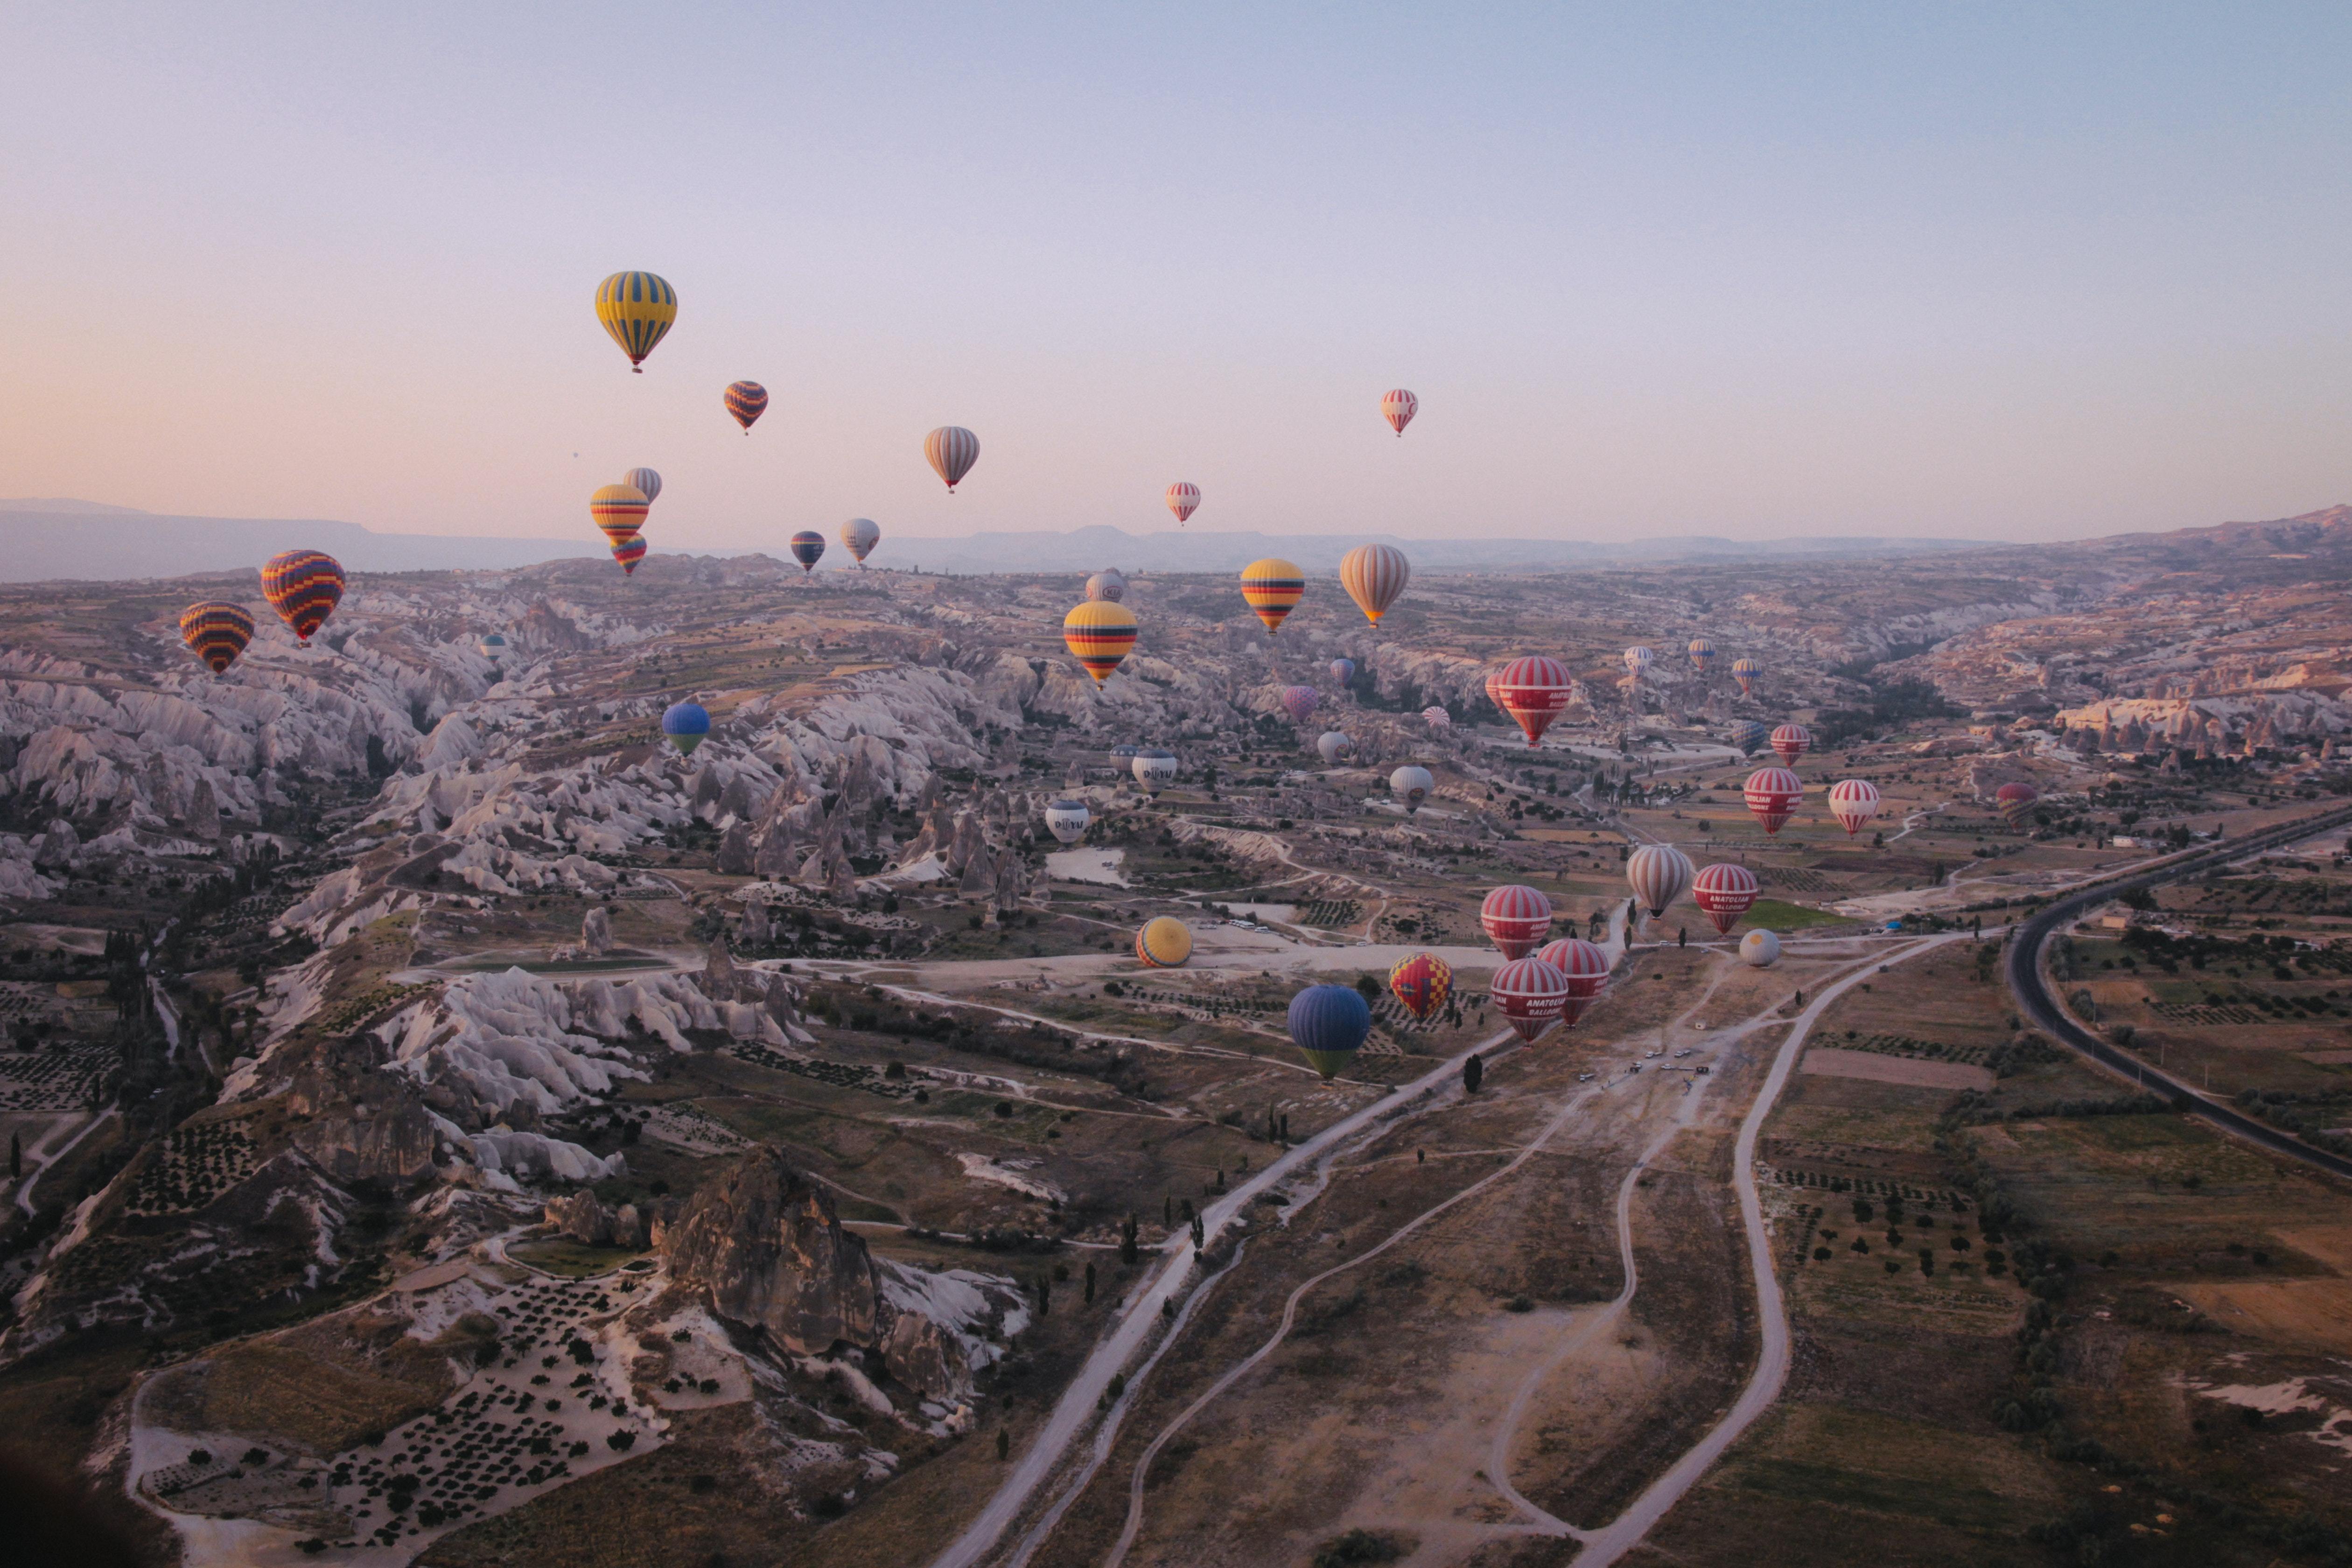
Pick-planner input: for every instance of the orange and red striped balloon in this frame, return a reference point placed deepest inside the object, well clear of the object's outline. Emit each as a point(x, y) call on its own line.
point(1099, 633)
point(1273, 588)
point(216, 632)
point(303, 586)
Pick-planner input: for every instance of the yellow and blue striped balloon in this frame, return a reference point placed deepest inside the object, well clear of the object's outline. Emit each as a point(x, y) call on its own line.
point(1273, 588)
point(637, 308)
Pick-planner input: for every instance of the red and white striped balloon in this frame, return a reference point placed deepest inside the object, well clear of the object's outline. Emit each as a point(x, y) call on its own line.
point(1772, 794)
point(1658, 873)
point(1587, 970)
point(1724, 892)
point(1533, 691)
point(1791, 742)
point(1397, 406)
point(1518, 919)
point(1854, 802)
point(1184, 500)
point(1531, 994)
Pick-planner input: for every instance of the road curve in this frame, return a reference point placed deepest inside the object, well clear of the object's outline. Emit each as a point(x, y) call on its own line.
point(2035, 1001)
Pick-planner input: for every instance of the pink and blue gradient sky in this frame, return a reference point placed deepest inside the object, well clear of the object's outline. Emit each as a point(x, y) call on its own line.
point(1985, 270)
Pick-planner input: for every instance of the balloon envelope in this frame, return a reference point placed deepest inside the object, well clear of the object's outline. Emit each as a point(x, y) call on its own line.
point(1411, 785)
point(1397, 406)
point(1791, 742)
point(1516, 918)
point(1436, 718)
point(1854, 802)
point(808, 548)
point(1108, 584)
point(1329, 1023)
point(1333, 744)
point(619, 510)
point(1420, 983)
point(1153, 769)
point(1586, 969)
point(1531, 994)
point(1343, 670)
point(747, 400)
point(685, 724)
point(1702, 654)
point(493, 645)
point(1066, 819)
point(1724, 892)
point(303, 586)
point(1749, 736)
point(2014, 801)
point(637, 308)
point(1273, 587)
point(1184, 500)
point(645, 481)
point(628, 553)
point(1163, 944)
point(952, 450)
point(1747, 671)
point(1098, 633)
point(1299, 702)
point(217, 633)
point(1759, 949)
point(859, 536)
point(1533, 691)
point(1374, 574)
point(1659, 873)
point(1772, 794)
point(1638, 660)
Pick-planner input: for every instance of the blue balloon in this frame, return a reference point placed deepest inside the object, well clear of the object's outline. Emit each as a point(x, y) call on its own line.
point(1343, 670)
point(1329, 1023)
point(685, 723)
point(1748, 735)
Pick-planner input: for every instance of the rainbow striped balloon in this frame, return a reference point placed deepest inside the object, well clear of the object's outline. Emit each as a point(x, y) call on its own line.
point(218, 633)
point(1747, 671)
point(628, 552)
point(619, 510)
point(1099, 632)
point(1163, 944)
point(637, 308)
point(1273, 587)
point(1374, 574)
point(303, 586)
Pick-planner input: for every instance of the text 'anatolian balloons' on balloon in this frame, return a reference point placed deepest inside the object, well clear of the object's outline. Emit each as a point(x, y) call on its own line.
point(1724, 892)
point(808, 548)
point(1299, 702)
point(628, 553)
point(1164, 942)
point(1328, 1025)
point(1273, 587)
point(1854, 802)
point(1109, 584)
point(1772, 794)
point(1397, 406)
point(1517, 919)
point(1184, 500)
point(1410, 785)
point(1098, 633)
point(645, 481)
point(1791, 742)
point(1333, 744)
point(747, 400)
point(1759, 949)
point(636, 308)
point(859, 536)
point(1586, 969)
point(1747, 671)
point(303, 586)
point(217, 633)
point(1154, 769)
point(1533, 691)
point(1531, 994)
point(952, 450)
point(1659, 873)
point(687, 724)
point(1374, 575)
point(619, 510)
point(1422, 982)
point(1066, 820)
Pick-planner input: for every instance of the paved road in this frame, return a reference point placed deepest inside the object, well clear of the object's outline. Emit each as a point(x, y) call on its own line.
point(2036, 1003)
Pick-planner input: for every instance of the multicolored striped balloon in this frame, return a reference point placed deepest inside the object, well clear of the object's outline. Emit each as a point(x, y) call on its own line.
point(637, 308)
point(808, 548)
point(1184, 500)
point(1724, 892)
point(1163, 944)
point(1420, 983)
point(1099, 632)
point(952, 450)
point(628, 553)
point(1397, 406)
point(1748, 671)
point(619, 510)
point(747, 400)
point(218, 633)
point(303, 586)
point(1273, 588)
point(1374, 574)
point(1702, 654)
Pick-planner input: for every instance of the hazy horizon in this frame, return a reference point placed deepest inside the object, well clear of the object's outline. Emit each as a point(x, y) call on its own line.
point(1991, 275)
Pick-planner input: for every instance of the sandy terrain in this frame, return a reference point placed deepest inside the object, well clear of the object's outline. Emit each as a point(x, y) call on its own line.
point(1827, 1061)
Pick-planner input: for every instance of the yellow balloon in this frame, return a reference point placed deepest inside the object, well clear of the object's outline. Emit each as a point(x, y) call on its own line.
point(637, 308)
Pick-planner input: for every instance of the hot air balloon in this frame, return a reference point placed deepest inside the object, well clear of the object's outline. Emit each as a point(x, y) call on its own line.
point(1411, 785)
point(217, 633)
point(619, 510)
point(1299, 702)
point(1772, 794)
point(952, 450)
point(1748, 736)
point(1343, 670)
point(1724, 892)
point(637, 308)
point(1436, 718)
point(303, 586)
point(1333, 744)
point(1791, 742)
point(1066, 819)
point(1109, 583)
point(493, 647)
point(687, 724)
point(1153, 769)
point(1760, 949)
point(747, 400)
point(1534, 690)
point(1328, 1024)
point(808, 548)
point(1659, 874)
point(859, 536)
point(1495, 685)
point(1374, 574)
point(1420, 983)
point(645, 481)
point(1099, 632)
point(1531, 994)
point(1638, 660)
point(1518, 919)
point(1748, 671)
point(1272, 588)
point(1163, 944)
point(1184, 500)
point(1586, 969)
point(1854, 802)
point(1397, 406)
point(1123, 754)
point(1702, 654)
point(628, 553)
point(2014, 801)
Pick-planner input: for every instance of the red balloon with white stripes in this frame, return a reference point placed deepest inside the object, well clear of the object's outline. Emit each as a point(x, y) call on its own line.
point(1531, 994)
point(1184, 500)
point(1587, 970)
point(1397, 406)
point(1518, 919)
point(1724, 892)
point(1791, 742)
point(1534, 690)
point(1772, 794)
point(1854, 802)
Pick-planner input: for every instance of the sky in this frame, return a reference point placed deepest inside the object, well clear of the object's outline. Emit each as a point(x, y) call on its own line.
point(1978, 272)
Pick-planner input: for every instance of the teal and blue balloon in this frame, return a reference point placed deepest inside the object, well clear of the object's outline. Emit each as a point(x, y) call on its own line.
point(1749, 736)
point(1328, 1025)
point(1343, 670)
point(685, 724)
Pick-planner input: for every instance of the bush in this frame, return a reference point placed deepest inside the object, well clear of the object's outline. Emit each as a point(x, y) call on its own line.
point(1359, 1546)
